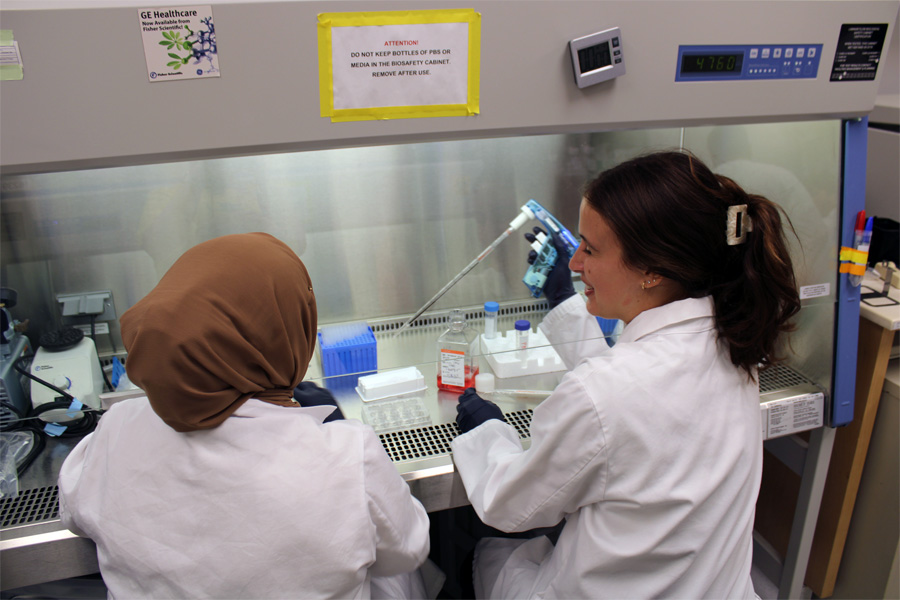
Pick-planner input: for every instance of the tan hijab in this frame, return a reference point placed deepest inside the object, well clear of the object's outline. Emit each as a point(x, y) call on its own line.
point(233, 319)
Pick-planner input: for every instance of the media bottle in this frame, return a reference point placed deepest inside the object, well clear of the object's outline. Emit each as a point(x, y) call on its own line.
point(457, 350)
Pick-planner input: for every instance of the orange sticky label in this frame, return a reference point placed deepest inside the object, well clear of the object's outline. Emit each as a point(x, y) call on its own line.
point(853, 269)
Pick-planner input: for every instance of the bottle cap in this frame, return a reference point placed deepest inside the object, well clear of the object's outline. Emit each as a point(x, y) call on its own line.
point(491, 307)
point(523, 325)
point(484, 383)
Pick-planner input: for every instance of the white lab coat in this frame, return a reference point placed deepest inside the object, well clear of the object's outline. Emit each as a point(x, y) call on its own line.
point(271, 503)
point(652, 452)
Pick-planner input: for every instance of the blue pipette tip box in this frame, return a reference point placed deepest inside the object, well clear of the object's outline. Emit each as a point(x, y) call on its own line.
point(347, 350)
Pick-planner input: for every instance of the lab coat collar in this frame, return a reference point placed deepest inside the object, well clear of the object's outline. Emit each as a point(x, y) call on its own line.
point(256, 408)
point(700, 310)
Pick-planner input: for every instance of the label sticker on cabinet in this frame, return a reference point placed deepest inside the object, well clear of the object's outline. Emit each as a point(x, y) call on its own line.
point(817, 290)
point(858, 52)
point(10, 59)
point(784, 417)
point(179, 43)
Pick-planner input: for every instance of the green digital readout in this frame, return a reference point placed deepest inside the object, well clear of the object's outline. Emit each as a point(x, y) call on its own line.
point(712, 64)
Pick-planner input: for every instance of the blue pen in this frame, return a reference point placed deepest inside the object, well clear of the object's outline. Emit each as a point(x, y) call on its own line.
point(867, 235)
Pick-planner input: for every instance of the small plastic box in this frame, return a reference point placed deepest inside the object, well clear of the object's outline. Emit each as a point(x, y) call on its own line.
point(347, 350)
point(390, 383)
point(396, 414)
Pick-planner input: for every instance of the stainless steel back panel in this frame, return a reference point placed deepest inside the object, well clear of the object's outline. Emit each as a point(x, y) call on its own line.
point(381, 229)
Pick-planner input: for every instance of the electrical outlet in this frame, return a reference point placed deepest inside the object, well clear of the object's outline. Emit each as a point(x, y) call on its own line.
point(99, 329)
point(74, 308)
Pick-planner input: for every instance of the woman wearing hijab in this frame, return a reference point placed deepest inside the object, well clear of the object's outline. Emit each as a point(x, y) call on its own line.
point(218, 483)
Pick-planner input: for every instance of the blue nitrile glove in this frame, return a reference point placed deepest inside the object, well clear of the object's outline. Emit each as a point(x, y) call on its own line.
point(473, 410)
point(558, 287)
point(309, 394)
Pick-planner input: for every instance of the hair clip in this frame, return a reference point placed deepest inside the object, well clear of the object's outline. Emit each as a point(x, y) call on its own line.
point(738, 224)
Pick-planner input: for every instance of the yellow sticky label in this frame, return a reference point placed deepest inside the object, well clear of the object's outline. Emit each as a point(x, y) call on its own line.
point(855, 256)
point(853, 261)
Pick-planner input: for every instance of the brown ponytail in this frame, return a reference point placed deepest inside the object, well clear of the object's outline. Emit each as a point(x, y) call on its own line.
point(669, 212)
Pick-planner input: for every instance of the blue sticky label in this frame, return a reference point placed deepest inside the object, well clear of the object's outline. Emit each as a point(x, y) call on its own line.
point(54, 429)
point(117, 371)
point(74, 408)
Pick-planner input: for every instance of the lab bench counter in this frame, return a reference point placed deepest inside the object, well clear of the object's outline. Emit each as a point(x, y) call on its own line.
point(882, 310)
point(35, 548)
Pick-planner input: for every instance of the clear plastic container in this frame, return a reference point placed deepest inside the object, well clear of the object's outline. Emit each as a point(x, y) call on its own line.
point(457, 351)
point(491, 310)
point(396, 414)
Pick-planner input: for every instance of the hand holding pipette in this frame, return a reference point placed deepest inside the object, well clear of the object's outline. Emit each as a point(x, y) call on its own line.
point(555, 248)
point(557, 284)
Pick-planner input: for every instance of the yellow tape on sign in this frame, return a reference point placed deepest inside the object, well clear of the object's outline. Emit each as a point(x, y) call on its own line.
point(399, 64)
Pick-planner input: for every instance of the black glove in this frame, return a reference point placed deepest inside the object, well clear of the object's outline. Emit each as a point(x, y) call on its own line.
point(558, 287)
point(309, 394)
point(473, 410)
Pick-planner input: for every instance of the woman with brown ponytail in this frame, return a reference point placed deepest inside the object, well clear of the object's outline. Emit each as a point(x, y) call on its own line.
point(649, 450)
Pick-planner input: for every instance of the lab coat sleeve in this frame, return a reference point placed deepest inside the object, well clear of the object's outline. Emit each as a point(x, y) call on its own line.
point(573, 331)
point(564, 469)
point(69, 474)
point(401, 523)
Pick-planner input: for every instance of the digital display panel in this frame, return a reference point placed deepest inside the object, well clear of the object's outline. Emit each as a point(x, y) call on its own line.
point(594, 57)
point(711, 64)
point(597, 57)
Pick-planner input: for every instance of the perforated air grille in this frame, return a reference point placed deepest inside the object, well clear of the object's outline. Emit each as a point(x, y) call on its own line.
point(42, 504)
point(440, 318)
point(30, 506)
point(780, 378)
point(521, 420)
point(434, 440)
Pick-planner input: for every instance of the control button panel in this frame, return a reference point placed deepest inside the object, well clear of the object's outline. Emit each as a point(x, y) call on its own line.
point(741, 62)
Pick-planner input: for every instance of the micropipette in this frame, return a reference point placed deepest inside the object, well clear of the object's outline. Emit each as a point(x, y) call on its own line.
point(537, 273)
point(516, 223)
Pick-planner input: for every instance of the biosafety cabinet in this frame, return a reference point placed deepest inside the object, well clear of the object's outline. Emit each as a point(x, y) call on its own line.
point(388, 142)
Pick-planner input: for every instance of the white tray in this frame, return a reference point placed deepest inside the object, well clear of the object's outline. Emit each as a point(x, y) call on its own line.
point(506, 361)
